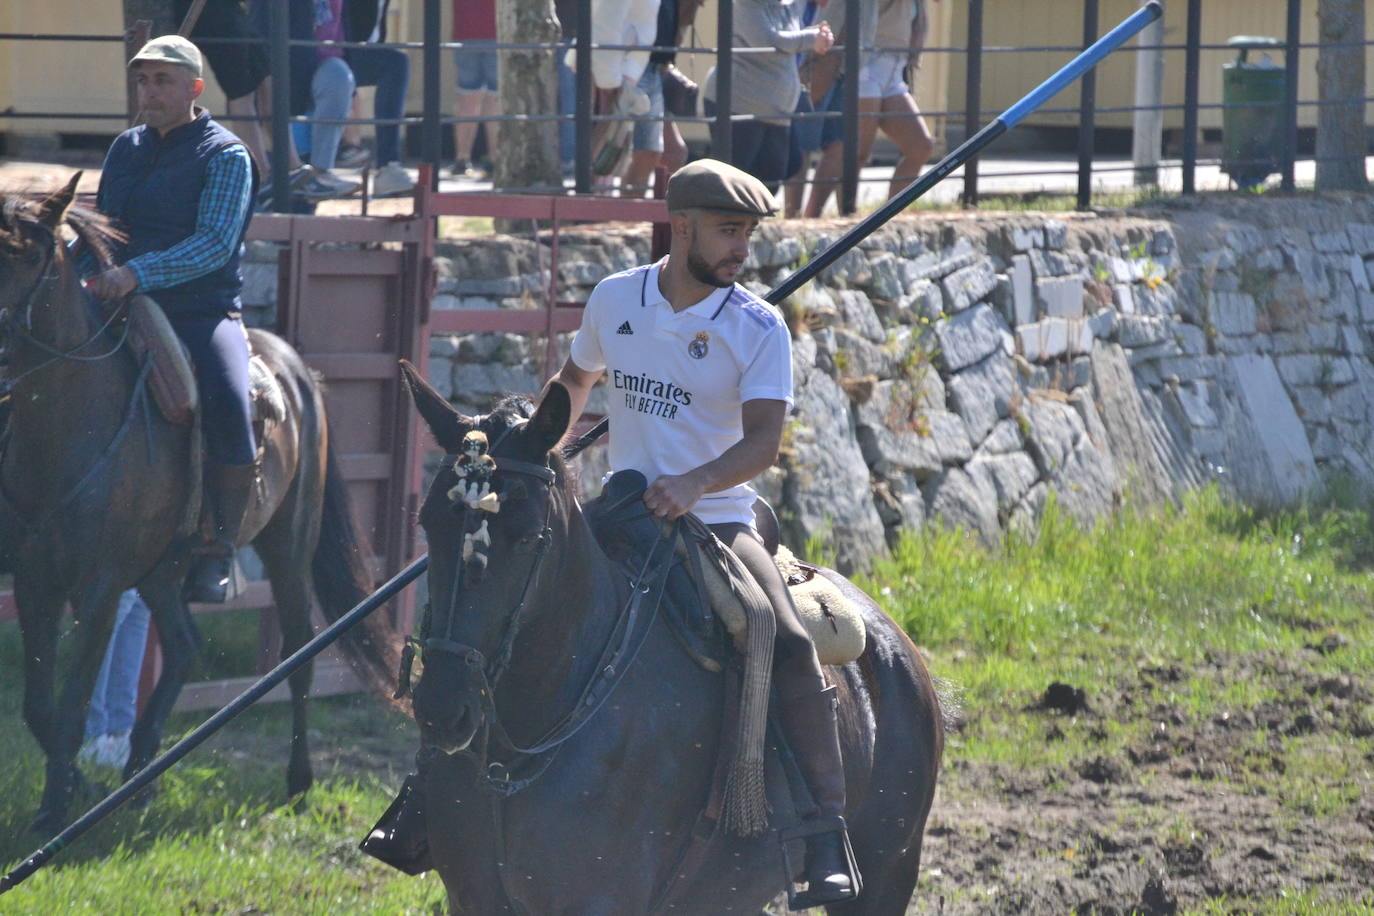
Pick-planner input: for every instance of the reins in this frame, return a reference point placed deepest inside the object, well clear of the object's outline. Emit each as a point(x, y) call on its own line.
point(23, 328)
point(624, 642)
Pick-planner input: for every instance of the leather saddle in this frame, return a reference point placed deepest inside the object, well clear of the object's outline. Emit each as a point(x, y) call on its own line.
point(702, 605)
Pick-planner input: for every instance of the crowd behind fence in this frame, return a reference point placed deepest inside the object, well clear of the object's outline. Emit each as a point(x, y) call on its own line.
point(431, 120)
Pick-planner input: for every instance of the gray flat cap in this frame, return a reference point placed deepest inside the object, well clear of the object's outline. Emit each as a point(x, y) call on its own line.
point(710, 184)
point(170, 49)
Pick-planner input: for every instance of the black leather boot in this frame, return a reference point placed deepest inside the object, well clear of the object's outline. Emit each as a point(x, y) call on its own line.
point(229, 492)
point(811, 728)
point(400, 838)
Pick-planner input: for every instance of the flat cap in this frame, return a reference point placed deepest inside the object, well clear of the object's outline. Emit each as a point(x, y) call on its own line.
point(710, 184)
point(170, 49)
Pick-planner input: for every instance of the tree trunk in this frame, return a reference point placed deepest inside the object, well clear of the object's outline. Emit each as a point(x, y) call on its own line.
point(159, 12)
point(1340, 90)
point(526, 154)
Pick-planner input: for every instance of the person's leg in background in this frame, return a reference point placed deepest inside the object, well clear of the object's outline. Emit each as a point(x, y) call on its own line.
point(352, 153)
point(477, 98)
point(114, 701)
point(903, 123)
point(647, 145)
point(831, 167)
point(674, 147)
point(332, 90)
point(567, 107)
point(803, 140)
point(388, 70)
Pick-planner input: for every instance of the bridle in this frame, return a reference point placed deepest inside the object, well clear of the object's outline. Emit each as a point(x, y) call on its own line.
point(18, 321)
point(626, 638)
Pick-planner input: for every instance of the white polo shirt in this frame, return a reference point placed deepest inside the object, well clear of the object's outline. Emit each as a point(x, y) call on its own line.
point(679, 379)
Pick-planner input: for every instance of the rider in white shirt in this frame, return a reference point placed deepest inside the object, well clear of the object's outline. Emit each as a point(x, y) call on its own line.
point(700, 372)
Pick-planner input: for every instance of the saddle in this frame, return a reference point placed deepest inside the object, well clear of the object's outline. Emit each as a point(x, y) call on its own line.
point(172, 380)
point(704, 588)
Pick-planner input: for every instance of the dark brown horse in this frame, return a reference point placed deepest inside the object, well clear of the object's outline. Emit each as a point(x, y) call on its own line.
point(99, 493)
point(594, 814)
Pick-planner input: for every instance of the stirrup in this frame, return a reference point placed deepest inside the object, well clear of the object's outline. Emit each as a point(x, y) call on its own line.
point(801, 900)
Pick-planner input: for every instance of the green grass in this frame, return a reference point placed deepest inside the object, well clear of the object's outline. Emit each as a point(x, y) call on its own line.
point(1145, 591)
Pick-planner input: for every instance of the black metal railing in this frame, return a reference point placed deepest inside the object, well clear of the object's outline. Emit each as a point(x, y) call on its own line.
point(432, 122)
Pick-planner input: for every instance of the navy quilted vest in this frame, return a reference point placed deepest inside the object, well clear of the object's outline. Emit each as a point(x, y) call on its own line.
point(152, 186)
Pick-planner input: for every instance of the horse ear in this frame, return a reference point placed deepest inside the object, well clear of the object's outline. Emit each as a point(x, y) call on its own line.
point(53, 209)
point(445, 423)
point(550, 422)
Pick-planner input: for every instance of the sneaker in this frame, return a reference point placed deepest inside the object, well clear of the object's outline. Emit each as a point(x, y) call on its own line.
point(352, 157)
point(391, 180)
point(114, 752)
point(324, 185)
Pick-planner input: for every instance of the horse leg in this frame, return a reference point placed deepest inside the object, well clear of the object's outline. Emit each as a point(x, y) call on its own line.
point(67, 719)
point(161, 591)
point(285, 546)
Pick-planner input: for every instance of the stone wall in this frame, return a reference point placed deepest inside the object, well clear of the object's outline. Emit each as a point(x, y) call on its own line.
point(958, 369)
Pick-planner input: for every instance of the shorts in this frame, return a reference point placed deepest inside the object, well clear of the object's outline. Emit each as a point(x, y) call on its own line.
point(806, 132)
point(883, 75)
point(648, 132)
point(477, 67)
point(239, 66)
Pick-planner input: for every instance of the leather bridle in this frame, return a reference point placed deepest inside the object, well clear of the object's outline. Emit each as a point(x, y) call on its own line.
point(626, 638)
point(19, 320)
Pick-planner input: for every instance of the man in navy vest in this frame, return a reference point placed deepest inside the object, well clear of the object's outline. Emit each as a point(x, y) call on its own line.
point(180, 186)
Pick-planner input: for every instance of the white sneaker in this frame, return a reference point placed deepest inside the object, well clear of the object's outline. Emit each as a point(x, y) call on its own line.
point(391, 180)
point(114, 751)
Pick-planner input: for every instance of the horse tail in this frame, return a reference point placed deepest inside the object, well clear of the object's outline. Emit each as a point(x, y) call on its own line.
point(342, 580)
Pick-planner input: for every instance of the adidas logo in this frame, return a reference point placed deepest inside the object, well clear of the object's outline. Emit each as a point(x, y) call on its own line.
point(624, 329)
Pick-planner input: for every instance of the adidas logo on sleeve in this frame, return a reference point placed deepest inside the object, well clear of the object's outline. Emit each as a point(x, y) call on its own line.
point(624, 328)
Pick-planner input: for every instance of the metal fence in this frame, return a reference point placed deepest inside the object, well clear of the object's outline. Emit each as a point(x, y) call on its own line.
point(431, 121)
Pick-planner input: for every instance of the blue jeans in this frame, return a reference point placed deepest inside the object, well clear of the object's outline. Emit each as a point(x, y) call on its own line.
point(332, 90)
point(114, 702)
point(388, 70)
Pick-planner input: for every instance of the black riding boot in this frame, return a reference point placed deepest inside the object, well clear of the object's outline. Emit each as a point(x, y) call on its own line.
point(400, 839)
point(229, 493)
point(811, 728)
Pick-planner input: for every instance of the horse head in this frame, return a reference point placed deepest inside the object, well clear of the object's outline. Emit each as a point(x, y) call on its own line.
point(489, 517)
point(28, 241)
point(33, 265)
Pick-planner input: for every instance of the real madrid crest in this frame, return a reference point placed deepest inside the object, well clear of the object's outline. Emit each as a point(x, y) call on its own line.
point(699, 346)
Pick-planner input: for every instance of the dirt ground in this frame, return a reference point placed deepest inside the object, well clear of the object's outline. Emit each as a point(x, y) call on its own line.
point(1195, 812)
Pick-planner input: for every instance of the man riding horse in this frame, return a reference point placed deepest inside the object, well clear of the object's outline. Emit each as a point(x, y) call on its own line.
point(701, 378)
point(180, 185)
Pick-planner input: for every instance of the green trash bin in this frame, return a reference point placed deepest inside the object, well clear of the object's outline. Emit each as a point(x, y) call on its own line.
point(1252, 121)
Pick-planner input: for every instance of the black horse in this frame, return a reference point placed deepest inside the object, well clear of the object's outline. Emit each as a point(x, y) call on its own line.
point(99, 493)
point(534, 807)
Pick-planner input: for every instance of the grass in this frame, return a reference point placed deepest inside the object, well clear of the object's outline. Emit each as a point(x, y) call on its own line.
point(1144, 591)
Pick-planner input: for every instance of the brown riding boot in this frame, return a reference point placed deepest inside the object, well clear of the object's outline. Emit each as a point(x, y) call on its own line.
point(229, 492)
point(812, 729)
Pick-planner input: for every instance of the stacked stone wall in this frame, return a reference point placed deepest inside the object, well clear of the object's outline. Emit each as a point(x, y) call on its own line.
point(960, 368)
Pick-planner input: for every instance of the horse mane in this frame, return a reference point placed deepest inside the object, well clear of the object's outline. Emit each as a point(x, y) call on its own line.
point(513, 410)
point(94, 229)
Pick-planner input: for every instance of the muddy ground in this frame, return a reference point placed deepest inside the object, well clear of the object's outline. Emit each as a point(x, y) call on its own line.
point(1208, 806)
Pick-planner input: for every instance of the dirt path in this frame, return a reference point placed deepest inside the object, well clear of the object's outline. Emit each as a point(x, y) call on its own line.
point(1206, 808)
